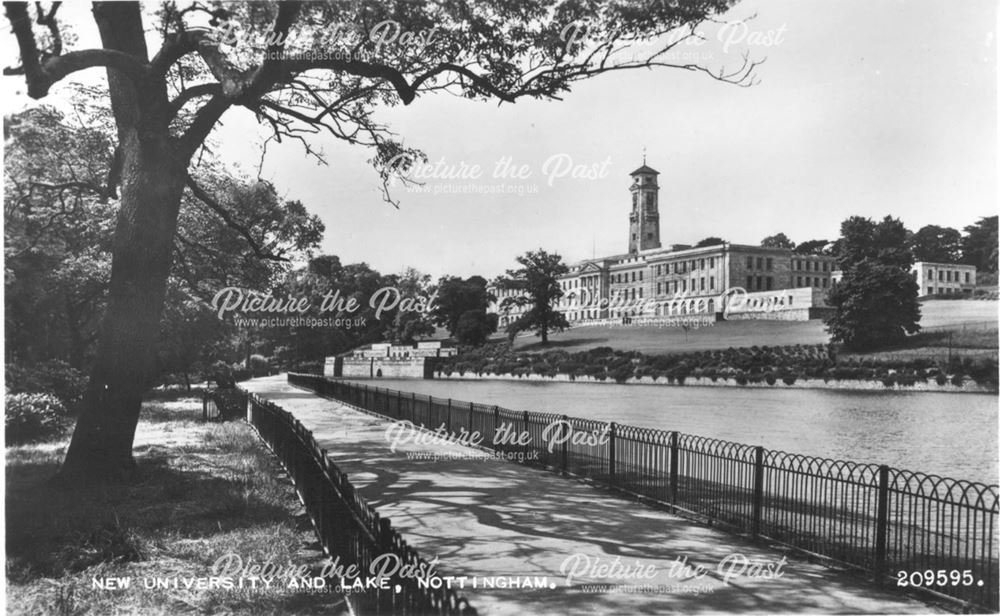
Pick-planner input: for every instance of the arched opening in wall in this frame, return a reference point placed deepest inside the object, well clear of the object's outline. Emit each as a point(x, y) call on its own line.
point(378, 373)
point(711, 306)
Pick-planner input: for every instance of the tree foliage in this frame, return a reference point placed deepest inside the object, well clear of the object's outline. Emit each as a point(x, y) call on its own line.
point(876, 300)
point(979, 245)
point(56, 236)
point(778, 240)
point(936, 244)
point(409, 326)
point(58, 248)
point(464, 300)
point(710, 241)
point(876, 307)
point(811, 247)
point(537, 283)
point(885, 242)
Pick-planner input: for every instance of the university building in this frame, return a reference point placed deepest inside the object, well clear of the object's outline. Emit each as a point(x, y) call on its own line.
point(653, 283)
point(943, 278)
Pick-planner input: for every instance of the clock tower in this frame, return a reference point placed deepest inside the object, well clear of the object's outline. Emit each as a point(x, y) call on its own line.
point(644, 219)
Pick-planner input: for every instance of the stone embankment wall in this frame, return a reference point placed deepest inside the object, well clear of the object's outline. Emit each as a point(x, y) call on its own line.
point(968, 386)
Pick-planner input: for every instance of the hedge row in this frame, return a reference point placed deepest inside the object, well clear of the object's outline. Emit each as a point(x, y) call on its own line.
point(762, 364)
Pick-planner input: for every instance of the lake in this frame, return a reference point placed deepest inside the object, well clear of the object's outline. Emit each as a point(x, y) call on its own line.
point(953, 435)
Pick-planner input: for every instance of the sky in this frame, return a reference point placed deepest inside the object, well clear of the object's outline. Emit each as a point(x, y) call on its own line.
point(867, 108)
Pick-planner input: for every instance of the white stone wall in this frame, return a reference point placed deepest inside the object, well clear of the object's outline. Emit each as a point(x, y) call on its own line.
point(968, 386)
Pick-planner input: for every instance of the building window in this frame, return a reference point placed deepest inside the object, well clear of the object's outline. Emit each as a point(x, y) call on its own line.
point(711, 262)
point(749, 283)
point(711, 283)
point(825, 264)
point(967, 278)
point(640, 274)
point(760, 263)
point(640, 291)
point(702, 283)
point(684, 286)
point(826, 282)
point(798, 281)
point(701, 264)
point(658, 288)
point(770, 282)
point(940, 276)
point(749, 262)
point(770, 264)
point(760, 282)
point(633, 236)
point(948, 275)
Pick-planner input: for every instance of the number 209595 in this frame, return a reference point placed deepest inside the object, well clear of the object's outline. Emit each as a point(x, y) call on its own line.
point(936, 577)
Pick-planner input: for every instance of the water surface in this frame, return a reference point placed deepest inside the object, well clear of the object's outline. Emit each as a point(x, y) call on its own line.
point(946, 434)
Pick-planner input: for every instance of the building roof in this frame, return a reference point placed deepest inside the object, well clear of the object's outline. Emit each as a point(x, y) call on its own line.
point(939, 264)
point(645, 169)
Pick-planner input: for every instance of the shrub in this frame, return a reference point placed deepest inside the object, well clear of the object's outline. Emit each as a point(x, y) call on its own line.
point(621, 373)
point(788, 379)
point(33, 417)
point(741, 378)
point(241, 374)
point(889, 380)
point(940, 379)
point(957, 379)
point(53, 377)
point(983, 372)
point(259, 365)
point(770, 378)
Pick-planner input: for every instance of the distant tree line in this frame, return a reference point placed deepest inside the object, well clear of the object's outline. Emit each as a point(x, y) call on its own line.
point(975, 245)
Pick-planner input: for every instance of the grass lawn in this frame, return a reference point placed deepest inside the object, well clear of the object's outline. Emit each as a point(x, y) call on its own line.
point(200, 491)
point(660, 340)
point(972, 324)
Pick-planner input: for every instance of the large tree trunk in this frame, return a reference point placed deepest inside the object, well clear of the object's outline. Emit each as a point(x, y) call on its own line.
point(152, 183)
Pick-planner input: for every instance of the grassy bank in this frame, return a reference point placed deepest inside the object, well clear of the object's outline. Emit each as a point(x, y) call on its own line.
point(964, 324)
point(200, 491)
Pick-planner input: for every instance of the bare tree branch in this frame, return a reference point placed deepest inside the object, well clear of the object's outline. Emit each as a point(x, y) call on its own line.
point(43, 70)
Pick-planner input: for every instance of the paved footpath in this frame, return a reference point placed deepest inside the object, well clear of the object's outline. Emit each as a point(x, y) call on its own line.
point(490, 519)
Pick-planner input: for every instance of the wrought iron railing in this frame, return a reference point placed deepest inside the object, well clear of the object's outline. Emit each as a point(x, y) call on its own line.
point(897, 524)
point(348, 528)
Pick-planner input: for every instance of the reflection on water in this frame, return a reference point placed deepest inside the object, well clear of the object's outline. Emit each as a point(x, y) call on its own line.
point(946, 434)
